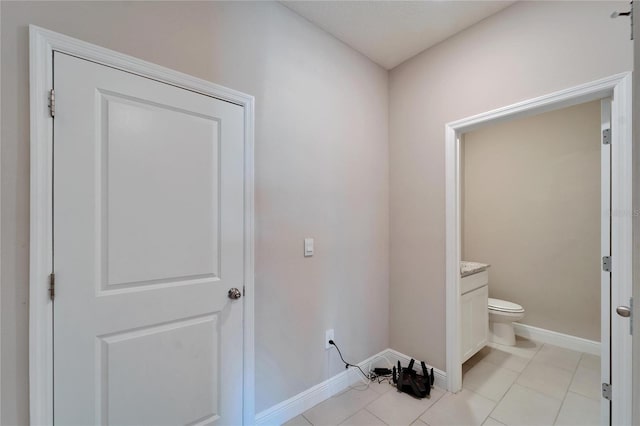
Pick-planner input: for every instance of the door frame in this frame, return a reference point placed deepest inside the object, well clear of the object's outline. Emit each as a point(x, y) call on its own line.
point(619, 88)
point(42, 44)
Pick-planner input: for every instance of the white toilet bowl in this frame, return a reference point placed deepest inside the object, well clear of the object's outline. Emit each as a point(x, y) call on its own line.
point(502, 315)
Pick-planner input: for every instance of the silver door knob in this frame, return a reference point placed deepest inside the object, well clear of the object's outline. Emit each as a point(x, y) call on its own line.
point(234, 294)
point(623, 311)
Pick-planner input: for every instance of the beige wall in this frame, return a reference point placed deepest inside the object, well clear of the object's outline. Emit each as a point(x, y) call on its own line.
point(532, 211)
point(527, 50)
point(321, 171)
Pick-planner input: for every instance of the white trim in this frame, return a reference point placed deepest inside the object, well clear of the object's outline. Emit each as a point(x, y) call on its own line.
point(598, 89)
point(619, 88)
point(40, 243)
point(0, 240)
point(558, 339)
point(621, 250)
point(605, 250)
point(42, 44)
point(636, 232)
point(298, 404)
point(452, 261)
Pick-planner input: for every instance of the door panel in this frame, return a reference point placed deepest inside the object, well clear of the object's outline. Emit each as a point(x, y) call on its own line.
point(149, 190)
point(148, 239)
point(466, 320)
point(129, 363)
point(480, 315)
point(474, 320)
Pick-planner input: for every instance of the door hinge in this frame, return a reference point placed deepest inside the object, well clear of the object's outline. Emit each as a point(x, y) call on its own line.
point(606, 391)
point(52, 103)
point(244, 291)
point(606, 136)
point(52, 286)
point(606, 263)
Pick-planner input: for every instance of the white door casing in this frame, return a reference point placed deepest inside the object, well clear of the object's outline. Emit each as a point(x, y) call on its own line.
point(605, 250)
point(131, 313)
point(621, 252)
point(618, 88)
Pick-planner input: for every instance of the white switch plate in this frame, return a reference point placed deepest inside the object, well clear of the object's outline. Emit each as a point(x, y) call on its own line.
point(308, 247)
point(328, 335)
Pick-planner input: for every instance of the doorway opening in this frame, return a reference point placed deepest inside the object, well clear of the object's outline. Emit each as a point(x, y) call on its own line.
point(615, 98)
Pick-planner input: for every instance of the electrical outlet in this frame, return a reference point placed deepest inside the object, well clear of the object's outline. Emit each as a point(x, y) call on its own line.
point(328, 335)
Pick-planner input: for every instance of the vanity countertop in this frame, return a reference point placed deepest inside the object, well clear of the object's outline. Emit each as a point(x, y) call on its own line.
point(470, 268)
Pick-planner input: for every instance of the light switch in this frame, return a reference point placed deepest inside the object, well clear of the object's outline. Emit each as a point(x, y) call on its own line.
point(308, 247)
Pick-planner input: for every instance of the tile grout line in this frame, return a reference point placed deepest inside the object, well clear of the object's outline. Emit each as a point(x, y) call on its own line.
point(503, 395)
point(583, 396)
point(529, 360)
point(573, 376)
point(429, 407)
point(366, 405)
point(303, 416)
point(365, 409)
point(575, 392)
point(498, 403)
point(348, 389)
point(415, 419)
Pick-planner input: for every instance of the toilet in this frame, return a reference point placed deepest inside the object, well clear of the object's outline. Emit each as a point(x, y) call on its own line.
point(502, 315)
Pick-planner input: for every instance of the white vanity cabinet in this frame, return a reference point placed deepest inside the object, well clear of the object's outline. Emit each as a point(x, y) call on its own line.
point(474, 324)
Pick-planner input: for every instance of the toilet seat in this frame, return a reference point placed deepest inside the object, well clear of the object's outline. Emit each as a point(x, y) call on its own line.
point(504, 306)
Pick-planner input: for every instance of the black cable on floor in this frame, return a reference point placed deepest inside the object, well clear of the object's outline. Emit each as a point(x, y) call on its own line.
point(346, 364)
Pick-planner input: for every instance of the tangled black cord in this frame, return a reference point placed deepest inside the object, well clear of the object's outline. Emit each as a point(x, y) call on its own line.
point(347, 364)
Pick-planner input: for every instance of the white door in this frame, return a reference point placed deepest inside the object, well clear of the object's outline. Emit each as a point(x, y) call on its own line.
point(148, 241)
point(617, 368)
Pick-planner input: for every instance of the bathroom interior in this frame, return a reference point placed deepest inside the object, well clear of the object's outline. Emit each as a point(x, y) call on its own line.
point(530, 249)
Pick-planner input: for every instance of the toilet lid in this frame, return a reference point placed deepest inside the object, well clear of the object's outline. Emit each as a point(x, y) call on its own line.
point(504, 306)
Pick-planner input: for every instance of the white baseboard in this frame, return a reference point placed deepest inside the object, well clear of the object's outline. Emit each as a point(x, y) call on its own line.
point(559, 339)
point(298, 404)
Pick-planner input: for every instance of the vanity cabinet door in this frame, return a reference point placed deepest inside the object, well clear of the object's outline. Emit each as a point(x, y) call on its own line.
point(474, 322)
point(466, 339)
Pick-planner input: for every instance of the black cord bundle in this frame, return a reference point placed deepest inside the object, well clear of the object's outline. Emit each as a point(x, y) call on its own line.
point(346, 364)
point(379, 378)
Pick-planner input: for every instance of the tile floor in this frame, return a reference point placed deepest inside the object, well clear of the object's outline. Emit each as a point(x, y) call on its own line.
point(529, 384)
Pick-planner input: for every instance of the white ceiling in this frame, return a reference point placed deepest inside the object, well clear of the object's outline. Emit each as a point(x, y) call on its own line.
point(390, 32)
